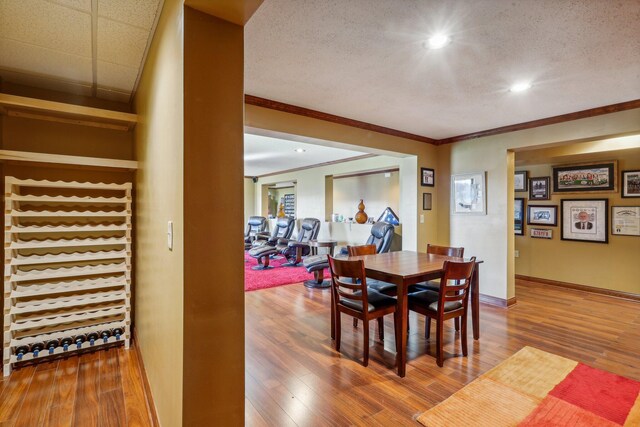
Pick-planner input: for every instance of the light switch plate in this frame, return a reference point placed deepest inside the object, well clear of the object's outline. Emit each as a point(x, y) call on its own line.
point(517, 254)
point(170, 235)
point(421, 218)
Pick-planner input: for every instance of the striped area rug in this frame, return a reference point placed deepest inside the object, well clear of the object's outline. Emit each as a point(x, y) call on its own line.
point(536, 388)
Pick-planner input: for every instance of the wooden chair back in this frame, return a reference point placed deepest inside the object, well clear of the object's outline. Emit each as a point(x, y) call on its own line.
point(455, 282)
point(348, 277)
point(362, 250)
point(445, 250)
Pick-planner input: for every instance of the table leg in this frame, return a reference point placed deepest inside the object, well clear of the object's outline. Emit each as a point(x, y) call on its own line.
point(401, 346)
point(475, 302)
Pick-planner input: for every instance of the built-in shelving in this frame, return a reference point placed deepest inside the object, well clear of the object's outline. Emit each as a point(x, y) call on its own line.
point(60, 278)
point(39, 109)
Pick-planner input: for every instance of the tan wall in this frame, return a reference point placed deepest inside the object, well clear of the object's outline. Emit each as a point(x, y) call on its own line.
point(278, 121)
point(213, 345)
point(490, 237)
point(159, 198)
point(612, 266)
point(376, 190)
point(249, 199)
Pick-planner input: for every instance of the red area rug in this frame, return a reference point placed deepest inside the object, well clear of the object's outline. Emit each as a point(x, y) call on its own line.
point(276, 276)
point(535, 388)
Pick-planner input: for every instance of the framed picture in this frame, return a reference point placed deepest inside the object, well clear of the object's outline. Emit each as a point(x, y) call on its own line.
point(518, 216)
point(426, 201)
point(428, 177)
point(539, 188)
point(585, 220)
point(520, 181)
point(541, 233)
point(625, 220)
point(542, 215)
point(468, 194)
point(630, 183)
point(585, 177)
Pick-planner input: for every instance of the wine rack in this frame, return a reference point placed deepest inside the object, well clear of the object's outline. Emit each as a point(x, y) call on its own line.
point(67, 267)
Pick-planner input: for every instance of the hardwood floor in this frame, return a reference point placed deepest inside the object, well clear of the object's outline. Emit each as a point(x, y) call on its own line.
point(295, 377)
point(103, 388)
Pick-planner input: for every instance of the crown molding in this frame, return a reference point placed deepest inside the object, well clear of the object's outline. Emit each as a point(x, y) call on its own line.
point(301, 111)
point(592, 112)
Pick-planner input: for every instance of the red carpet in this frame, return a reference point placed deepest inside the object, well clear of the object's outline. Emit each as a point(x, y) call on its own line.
point(277, 276)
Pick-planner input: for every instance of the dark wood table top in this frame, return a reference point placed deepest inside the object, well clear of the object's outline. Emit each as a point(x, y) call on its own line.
point(405, 264)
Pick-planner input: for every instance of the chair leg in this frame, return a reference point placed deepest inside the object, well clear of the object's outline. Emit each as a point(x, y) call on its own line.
point(456, 322)
point(427, 327)
point(396, 329)
point(439, 343)
point(365, 327)
point(463, 334)
point(338, 329)
point(381, 328)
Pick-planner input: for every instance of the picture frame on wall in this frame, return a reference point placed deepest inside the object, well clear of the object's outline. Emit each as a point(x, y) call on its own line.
point(520, 181)
point(585, 220)
point(542, 215)
point(468, 195)
point(625, 220)
point(586, 177)
point(426, 201)
point(631, 183)
point(428, 177)
point(518, 216)
point(539, 188)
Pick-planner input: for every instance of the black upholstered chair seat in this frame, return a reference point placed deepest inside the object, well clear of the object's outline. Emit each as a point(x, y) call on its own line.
point(315, 262)
point(380, 286)
point(433, 285)
point(260, 251)
point(429, 299)
point(376, 301)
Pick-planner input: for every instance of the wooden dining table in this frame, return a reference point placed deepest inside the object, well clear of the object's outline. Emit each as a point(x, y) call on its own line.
point(405, 268)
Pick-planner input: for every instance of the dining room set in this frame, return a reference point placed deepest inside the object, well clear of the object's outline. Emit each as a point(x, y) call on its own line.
point(369, 282)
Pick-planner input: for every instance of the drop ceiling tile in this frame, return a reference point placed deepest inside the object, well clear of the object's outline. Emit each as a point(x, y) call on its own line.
point(121, 43)
point(114, 76)
point(47, 25)
point(140, 13)
point(45, 62)
point(83, 5)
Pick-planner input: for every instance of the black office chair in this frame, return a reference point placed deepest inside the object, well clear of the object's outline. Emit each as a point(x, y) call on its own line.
point(255, 225)
point(294, 250)
point(264, 246)
point(282, 230)
point(381, 237)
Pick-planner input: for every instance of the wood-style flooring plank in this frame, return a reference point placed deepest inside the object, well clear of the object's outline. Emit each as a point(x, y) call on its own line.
point(60, 413)
point(86, 410)
point(38, 397)
point(14, 394)
point(135, 405)
point(112, 409)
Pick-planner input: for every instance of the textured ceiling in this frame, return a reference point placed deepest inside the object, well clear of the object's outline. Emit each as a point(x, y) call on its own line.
point(365, 60)
point(90, 47)
point(266, 155)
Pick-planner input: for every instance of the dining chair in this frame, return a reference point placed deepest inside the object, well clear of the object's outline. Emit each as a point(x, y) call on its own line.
point(383, 287)
point(434, 285)
point(449, 303)
point(351, 296)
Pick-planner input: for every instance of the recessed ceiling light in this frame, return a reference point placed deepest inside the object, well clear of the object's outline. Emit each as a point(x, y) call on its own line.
point(300, 150)
point(438, 41)
point(520, 87)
